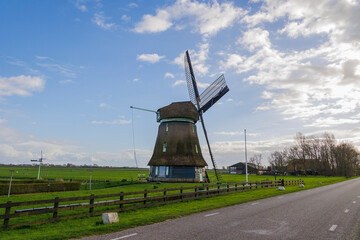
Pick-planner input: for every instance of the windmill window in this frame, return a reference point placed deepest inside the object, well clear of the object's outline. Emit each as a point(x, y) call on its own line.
point(193, 128)
point(167, 171)
point(167, 127)
point(196, 149)
point(164, 147)
point(156, 170)
point(162, 171)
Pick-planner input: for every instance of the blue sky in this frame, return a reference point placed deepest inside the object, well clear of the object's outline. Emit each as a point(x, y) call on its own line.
point(69, 70)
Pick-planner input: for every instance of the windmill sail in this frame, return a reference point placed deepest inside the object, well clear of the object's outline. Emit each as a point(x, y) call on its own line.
point(213, 93)
point(190, 80)
point(204, 101)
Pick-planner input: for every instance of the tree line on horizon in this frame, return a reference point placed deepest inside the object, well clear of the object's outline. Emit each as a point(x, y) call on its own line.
point(322, 155)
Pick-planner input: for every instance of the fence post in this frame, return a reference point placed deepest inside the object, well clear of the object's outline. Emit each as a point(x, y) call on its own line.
point(181, 193)
point(218, 189)
point(207, 190)
point(145, 196)
point(282, 182)
point(121, 199)
point(196, 192)
point(92, 203)
point(236, 187)
point(56, 206)
point(164, 194)
point(7, 212)
point(228, 187)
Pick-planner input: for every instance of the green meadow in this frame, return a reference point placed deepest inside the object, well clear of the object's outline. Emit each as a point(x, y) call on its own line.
point(92, 225)
point(74, 173)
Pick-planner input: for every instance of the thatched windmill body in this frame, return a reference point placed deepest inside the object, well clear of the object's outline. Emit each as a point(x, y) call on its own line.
point(177, 154)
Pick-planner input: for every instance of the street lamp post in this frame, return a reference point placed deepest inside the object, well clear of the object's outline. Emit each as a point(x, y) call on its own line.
point(246, 167)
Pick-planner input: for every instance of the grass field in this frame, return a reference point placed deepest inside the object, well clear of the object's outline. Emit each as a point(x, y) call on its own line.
point(92, 225)
point(74, 173)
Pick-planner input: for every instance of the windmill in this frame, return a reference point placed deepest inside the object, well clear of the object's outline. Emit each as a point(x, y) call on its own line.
point(177, 155)
point(40, 160)
point(206, 99)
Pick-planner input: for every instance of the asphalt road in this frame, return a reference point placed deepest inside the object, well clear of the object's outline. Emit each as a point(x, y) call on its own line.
point(328, 212)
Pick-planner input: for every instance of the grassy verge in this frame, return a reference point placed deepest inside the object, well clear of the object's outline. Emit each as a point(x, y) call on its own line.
point(93, 225)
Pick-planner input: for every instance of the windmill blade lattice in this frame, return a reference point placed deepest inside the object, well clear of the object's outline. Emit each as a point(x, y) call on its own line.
point(190, 80)
point(213, 93)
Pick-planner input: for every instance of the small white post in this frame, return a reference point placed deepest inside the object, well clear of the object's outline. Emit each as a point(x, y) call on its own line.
point(10, 182)
point(90, 180)
point(246, 168)
point(38, 177)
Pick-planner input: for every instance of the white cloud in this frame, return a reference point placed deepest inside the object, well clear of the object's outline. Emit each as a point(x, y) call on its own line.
point(235, 133)
point(2, 121)
point(125, 18)
point(202, 85)
point(158, 23)
point(136, 79)
point(198, 59)
point(21, 85)
point(100, 20)
point(151, 58)
point(113, 122)
point(330, 121)
point(65, 70)
point(79, 4)
point(169, 75)
point(43, 58)
point(19, 148)
point(179, 82)
point(255, 38)
point(66, 81)
point(302, 84)
point(133, 5)
point(205, 18)
point(104, 105)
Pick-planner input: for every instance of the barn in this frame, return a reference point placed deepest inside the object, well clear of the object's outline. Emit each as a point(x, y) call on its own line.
point(239, 168)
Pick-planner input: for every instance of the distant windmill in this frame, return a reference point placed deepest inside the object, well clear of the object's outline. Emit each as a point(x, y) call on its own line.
point(204, 101)
point(40, 160)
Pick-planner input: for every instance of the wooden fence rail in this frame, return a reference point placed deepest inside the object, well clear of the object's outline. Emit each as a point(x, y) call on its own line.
point(118, 202)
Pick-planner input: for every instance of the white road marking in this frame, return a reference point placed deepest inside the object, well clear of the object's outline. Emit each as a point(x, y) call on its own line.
point(255, 203)
point(333, 227)
point(126, 236)
point(211, 214)
point(346, 210)
point(354, 201)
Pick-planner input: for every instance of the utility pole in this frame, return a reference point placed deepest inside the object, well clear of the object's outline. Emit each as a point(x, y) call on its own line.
point(10, 182)
point(246, 168)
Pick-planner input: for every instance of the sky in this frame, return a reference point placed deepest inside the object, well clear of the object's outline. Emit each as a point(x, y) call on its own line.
point(70, 70)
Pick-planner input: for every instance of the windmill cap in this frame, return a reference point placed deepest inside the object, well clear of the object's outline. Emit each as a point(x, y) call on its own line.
point(179, 110)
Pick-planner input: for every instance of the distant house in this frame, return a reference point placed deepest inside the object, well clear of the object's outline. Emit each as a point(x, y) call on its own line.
point(239, 168)
point(302, 166)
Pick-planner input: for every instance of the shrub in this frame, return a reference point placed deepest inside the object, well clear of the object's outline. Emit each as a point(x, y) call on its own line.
point(39, 187)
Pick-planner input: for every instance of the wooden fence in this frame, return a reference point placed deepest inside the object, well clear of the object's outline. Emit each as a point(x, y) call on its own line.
point(75, 207)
